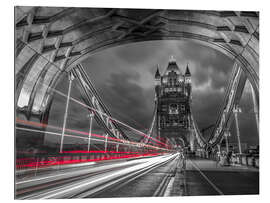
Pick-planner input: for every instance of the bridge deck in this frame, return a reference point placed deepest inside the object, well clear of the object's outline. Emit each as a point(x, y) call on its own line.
point(167, 175)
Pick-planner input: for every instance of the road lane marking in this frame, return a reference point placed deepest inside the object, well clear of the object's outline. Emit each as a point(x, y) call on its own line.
point(170, 185)
point(164, 183)
point(207, 179)
point(136, 174)
point(169, 188)
point(159, 189)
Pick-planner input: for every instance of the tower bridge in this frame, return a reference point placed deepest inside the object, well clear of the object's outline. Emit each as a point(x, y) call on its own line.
point(51, 43)
point(173, 100)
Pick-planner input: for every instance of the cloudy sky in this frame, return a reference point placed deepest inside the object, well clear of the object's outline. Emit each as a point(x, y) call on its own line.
point(124, 77)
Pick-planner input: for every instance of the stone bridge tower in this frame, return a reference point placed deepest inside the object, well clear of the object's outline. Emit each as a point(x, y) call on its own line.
point(173, 100)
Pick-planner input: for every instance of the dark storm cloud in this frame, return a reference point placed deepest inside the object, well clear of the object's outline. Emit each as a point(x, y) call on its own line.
point(206, 108)
point(208, 64)
point(126, 97)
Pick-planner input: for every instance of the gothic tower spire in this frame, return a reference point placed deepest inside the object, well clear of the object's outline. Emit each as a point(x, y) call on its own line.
point(157, 75)
point(187, 73)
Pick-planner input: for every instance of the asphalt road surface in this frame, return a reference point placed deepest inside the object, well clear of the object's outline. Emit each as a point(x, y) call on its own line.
point(88, 180)
point(157, 182)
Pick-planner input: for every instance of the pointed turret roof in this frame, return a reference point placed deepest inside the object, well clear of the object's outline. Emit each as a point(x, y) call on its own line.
point(157, 75)
point(187, 71)
point(172, 59)
point(172, 66)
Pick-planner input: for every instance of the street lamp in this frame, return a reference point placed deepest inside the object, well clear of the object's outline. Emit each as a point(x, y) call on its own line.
point(91, 116)
point(106, 142)
point(70, 78)
point(227, 134)
point(237, 110)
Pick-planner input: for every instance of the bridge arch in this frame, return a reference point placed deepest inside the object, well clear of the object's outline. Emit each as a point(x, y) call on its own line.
point(52, 40)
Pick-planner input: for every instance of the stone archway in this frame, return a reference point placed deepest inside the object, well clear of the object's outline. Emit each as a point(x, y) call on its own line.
point(51, 40)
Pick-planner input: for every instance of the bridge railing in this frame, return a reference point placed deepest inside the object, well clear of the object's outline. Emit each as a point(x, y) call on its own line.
point(250, 160)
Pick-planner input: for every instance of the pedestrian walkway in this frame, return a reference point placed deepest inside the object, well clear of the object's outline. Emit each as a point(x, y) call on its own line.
point(211, 165)
point(207, 177)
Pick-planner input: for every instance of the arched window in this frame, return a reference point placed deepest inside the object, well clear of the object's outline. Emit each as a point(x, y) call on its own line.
point(170, 81)
point(173, 109)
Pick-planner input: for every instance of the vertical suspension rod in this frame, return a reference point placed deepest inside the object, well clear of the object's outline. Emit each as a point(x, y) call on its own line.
point(90, 131)
point(106, 142)
point(236, 111)
point(70, 77)
point(255, 105)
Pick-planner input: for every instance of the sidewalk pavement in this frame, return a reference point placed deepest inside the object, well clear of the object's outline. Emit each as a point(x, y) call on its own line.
point(210, 165)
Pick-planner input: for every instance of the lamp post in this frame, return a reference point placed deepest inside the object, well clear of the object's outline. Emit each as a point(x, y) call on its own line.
point(117, 135)
point(218, 147)
point(70, 77)
point(226, 135)
point(237, 110)
point(91, 116)
point(106, 139)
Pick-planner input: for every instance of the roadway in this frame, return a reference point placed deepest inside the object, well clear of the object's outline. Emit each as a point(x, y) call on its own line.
point(164, 175)
point(89, 180)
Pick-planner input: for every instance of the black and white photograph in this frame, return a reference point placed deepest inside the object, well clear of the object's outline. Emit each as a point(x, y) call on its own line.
point(135, 102)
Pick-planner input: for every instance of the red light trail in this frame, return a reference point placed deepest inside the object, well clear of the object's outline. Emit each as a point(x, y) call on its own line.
point(47, 163)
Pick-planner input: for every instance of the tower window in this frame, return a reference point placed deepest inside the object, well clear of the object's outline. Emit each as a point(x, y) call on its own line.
point(182, 107)
point(175, 122)
point(188, 80)
point(173, 109)
point(181, 123)
point(164, 80)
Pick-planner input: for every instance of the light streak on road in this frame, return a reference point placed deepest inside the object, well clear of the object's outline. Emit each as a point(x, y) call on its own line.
point(78, 172)
point(88, 184)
